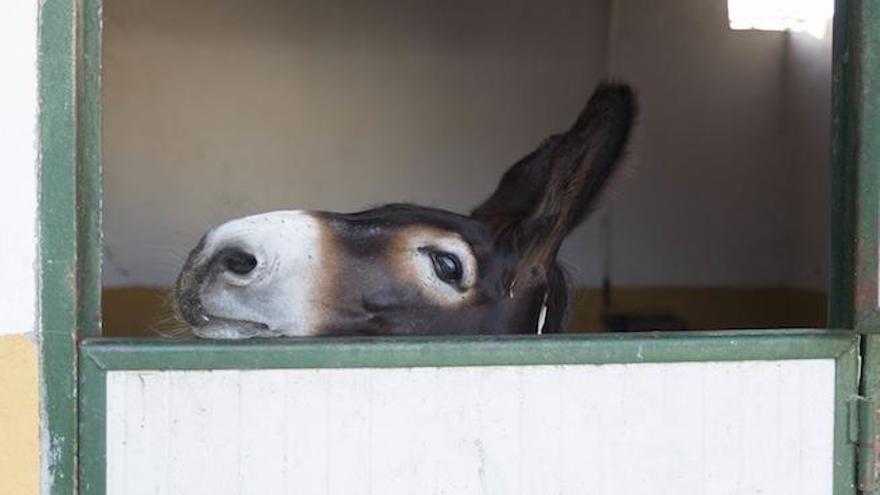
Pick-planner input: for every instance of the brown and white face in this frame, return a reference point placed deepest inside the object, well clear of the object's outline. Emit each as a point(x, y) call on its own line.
point(405, 270)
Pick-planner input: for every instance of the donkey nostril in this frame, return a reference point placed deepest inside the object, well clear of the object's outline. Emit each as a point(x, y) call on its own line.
point(239, 262)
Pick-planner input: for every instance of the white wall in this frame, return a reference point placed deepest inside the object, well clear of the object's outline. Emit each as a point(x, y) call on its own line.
point(18, 172)
point(20, 459)
point(218, 109)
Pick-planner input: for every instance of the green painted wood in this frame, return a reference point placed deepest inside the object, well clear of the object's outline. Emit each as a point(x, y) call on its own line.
point(102, 355)
point(58, 236)
point(856, 151)
point(466, 351)
point(89, 169)
point(847, 386)
point(89, 202)
point(870, 387)
point(867, 191)
point(69, 217)
point(92, 406)
point(843, 150)
point(855, 188)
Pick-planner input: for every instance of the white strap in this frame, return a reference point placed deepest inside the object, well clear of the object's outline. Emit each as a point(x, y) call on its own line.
point(542, 316)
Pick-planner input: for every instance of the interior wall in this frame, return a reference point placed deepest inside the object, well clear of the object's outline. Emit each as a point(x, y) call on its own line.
point(807, 122)
point(216, 109)
point(701, 204)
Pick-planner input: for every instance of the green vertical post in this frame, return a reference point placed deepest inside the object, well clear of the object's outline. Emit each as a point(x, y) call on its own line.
point(58, 242)
point(89, 240)
point(69, 219)
point(856, 151)
point(855, 216)
point(841, 299)
point(869, 447)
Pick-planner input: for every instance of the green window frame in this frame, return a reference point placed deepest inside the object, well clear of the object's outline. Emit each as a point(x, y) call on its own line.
point(75, 358)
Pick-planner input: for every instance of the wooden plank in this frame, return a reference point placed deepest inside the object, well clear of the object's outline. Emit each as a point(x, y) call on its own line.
point(149, 412)
point(57, 234)
point(462, 351)
point(855, 296)
point(89, 167)
point(69, 218)
point(702, 428)
point(870, 387)
point(262, 416)
point(844, 149)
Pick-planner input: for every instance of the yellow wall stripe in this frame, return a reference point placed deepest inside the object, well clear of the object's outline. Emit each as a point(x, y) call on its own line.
point(19, 416)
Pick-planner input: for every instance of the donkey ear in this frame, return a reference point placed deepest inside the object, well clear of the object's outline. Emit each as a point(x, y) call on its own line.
point(547, 193)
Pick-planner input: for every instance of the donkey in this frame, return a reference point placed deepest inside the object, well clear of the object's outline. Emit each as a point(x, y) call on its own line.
point(402, 269)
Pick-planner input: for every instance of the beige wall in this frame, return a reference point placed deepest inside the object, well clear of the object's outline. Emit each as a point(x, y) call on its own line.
point(217, 109)
point(701, 205)
point(808, 124)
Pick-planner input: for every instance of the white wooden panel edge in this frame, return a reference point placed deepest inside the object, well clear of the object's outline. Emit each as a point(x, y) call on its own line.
point(674, 428)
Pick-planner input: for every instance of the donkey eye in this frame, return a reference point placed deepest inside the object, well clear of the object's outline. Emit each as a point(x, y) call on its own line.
point(447, 266)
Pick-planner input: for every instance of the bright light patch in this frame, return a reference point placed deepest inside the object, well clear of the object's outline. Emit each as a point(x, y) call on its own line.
point(809, 16)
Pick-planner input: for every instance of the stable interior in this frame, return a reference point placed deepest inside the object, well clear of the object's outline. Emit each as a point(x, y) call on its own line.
point(719, 219)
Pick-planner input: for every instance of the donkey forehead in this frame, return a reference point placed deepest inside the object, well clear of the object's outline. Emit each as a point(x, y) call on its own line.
point(391, 223)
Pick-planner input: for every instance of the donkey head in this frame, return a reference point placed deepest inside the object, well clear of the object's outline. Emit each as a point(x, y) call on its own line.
point(402, 269)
